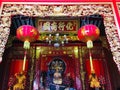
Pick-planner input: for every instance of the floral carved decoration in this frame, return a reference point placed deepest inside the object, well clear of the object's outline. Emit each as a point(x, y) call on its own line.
point(62, 9)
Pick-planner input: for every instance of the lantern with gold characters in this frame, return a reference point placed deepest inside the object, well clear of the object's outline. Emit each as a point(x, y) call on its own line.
point(27, 34)
point(88, 34)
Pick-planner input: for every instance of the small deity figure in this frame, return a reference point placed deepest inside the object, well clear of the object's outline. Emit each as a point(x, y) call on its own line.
point(94, 83)
point(57, 78)
point(21, 81)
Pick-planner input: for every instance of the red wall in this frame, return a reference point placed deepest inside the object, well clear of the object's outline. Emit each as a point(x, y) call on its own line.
point(16, 66)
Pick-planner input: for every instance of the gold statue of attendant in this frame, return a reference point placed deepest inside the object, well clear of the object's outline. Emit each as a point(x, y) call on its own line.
point(20, 81)
point(94, 82)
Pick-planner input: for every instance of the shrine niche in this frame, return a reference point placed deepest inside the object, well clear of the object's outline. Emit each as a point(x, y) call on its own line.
point(56, 67)
point(55, 74)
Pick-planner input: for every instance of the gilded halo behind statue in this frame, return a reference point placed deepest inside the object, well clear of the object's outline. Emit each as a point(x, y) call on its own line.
point(57, 64)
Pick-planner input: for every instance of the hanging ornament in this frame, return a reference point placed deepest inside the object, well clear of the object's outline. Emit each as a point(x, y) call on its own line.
point(27, 34)
point(88, 34)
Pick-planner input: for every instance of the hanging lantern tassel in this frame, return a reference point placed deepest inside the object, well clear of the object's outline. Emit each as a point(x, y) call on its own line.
point(89, 44)
point(94, 82)
point(24, 61)
point(26, 45)
point(89, 33)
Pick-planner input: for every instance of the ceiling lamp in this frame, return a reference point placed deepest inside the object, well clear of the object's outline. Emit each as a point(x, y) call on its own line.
point(56, 40)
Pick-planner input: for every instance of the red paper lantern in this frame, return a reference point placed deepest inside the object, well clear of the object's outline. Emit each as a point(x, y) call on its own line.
point(27, 34)
point(88, 33)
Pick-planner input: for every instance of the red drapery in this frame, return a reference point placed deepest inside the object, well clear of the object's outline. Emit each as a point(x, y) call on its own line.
point(97, 65)
point(16, 66)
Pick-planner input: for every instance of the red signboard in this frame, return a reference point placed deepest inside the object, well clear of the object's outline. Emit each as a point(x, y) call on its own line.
point(57, 25)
